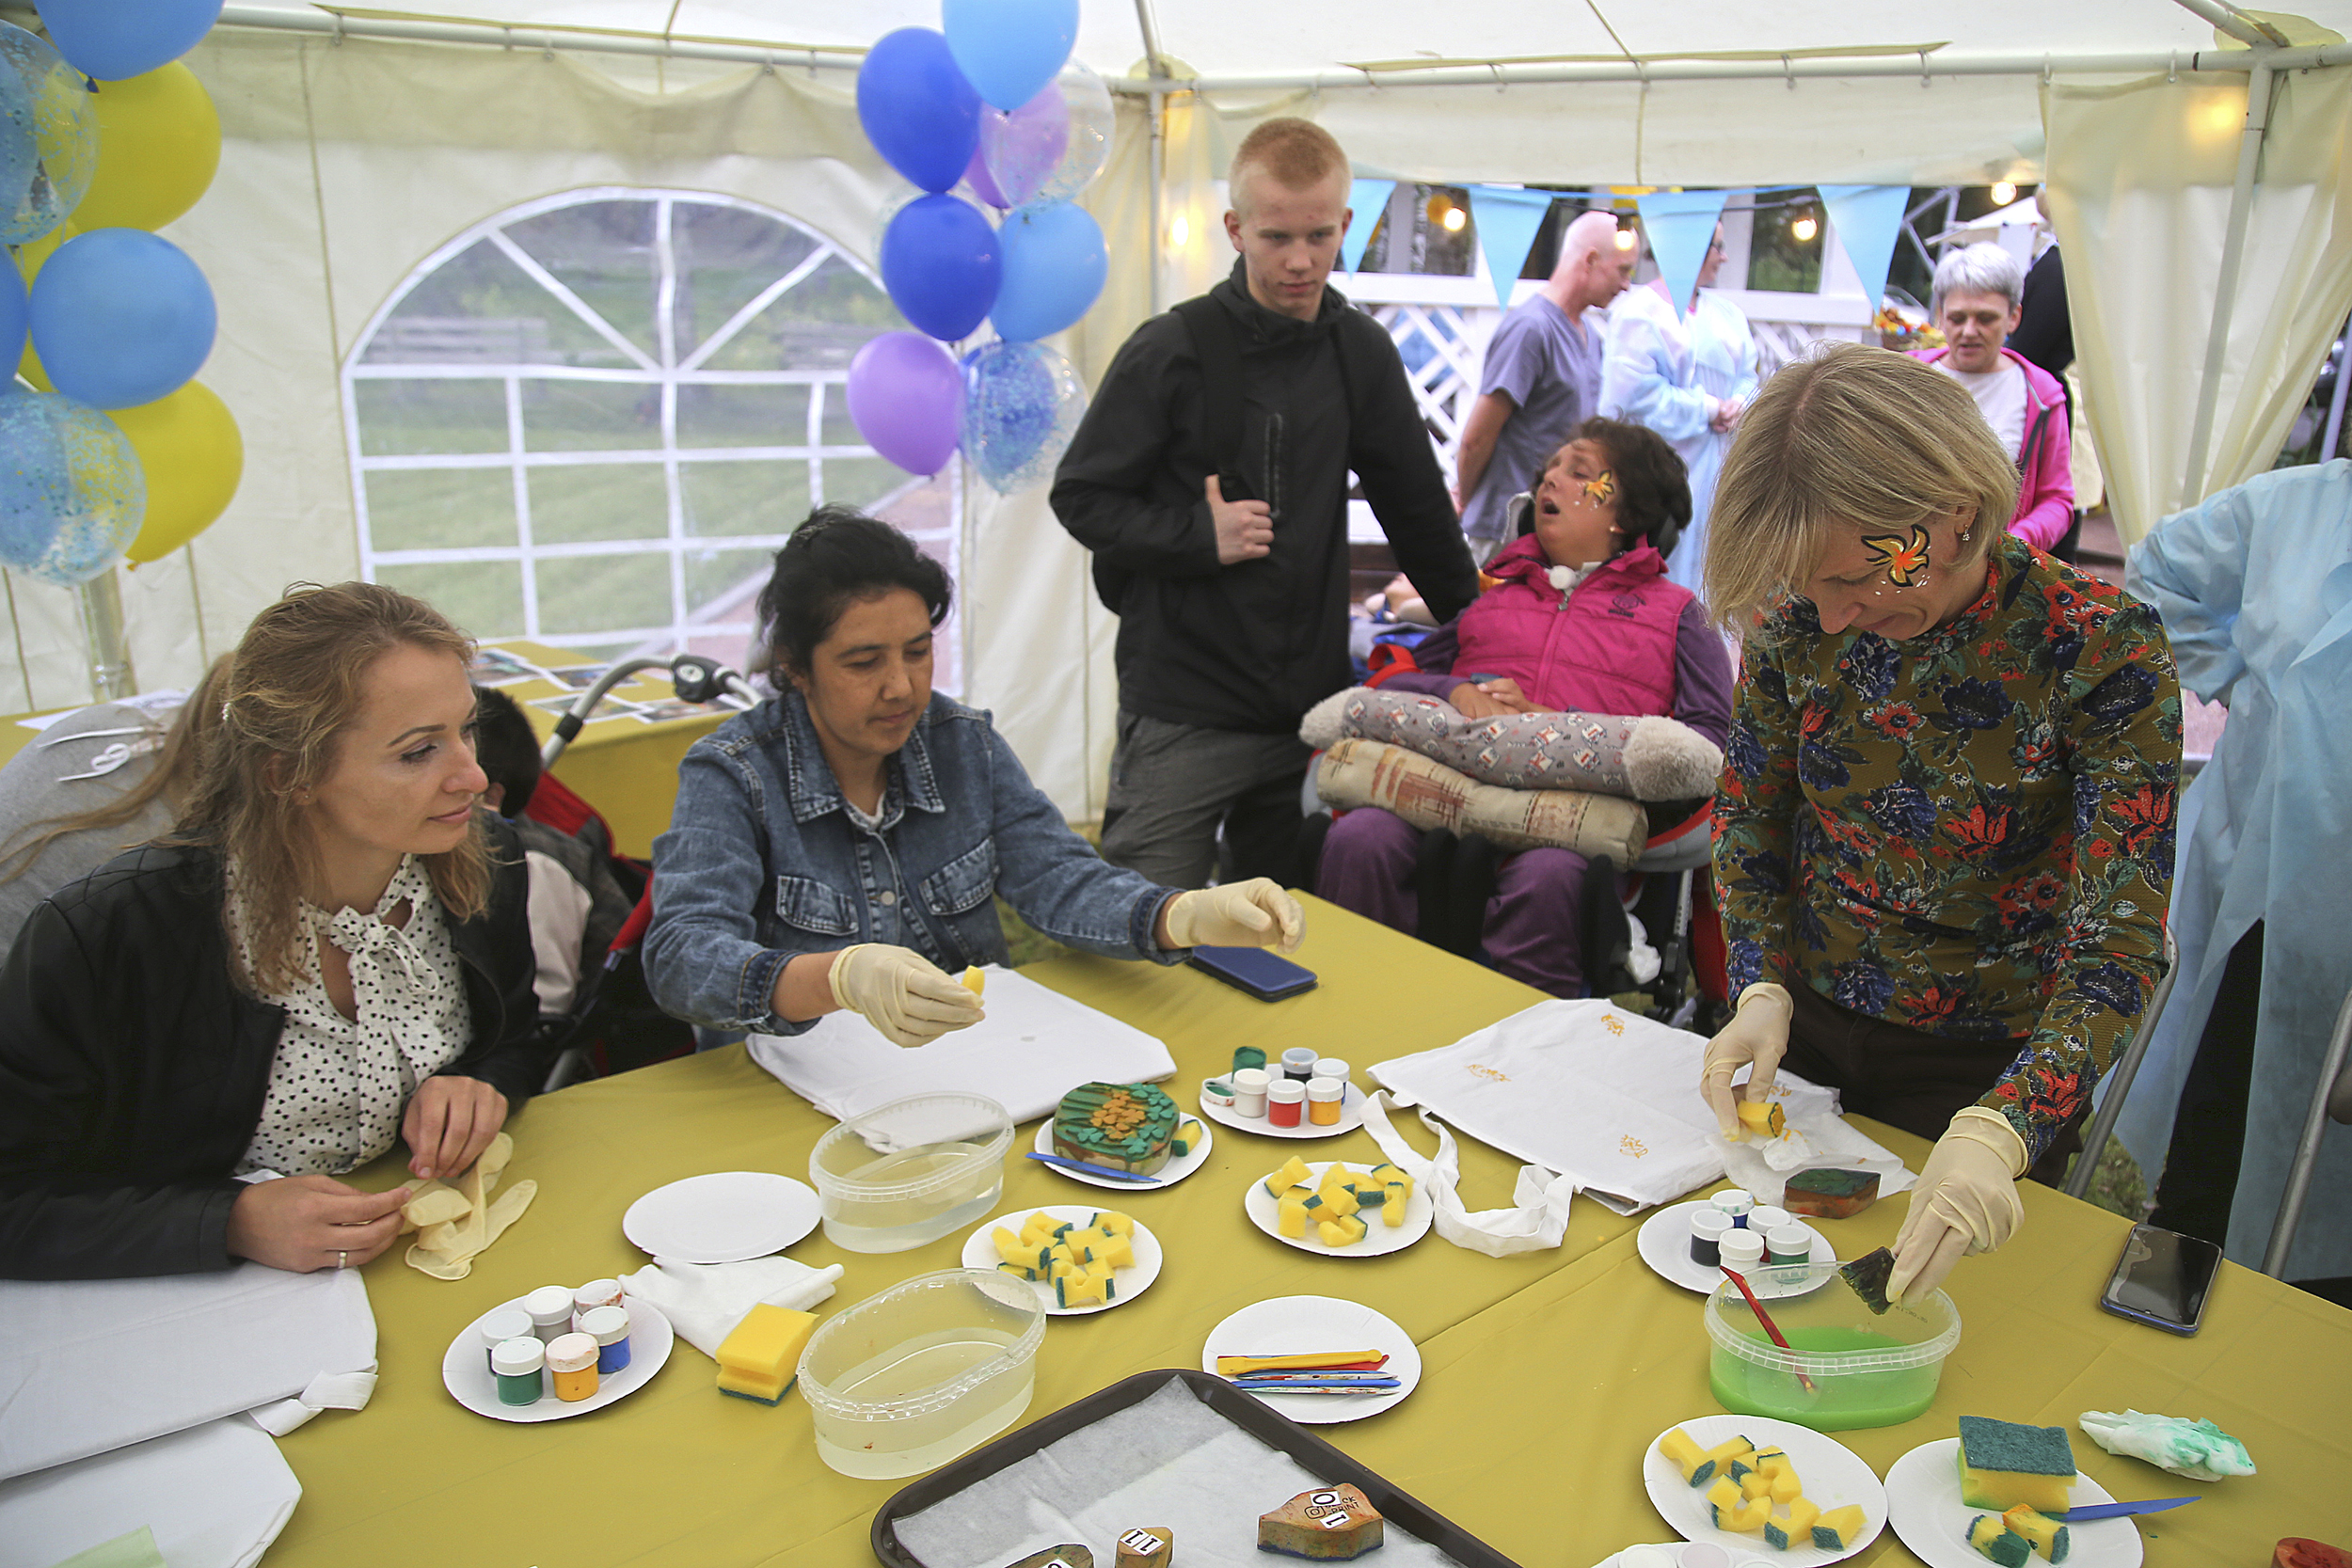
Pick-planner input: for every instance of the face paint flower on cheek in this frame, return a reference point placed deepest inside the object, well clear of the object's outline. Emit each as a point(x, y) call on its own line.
point(1906, 559)
point(1601, 487)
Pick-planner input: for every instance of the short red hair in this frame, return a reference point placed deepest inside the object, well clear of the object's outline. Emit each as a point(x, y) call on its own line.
point(1296, 153)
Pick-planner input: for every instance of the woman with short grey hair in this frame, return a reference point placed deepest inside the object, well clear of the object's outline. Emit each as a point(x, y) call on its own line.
point(1977, 287)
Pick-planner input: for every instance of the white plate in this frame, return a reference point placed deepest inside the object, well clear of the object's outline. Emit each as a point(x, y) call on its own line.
point(1292, 1325)
point(1170, 1174)
point(1923, 1504)
point(1664, 1243)
point(1351, 1118)
point(980, 1252)
point(1833, 1476)
point(465, 1370)
point(1420, 1210)
point(721, 1218)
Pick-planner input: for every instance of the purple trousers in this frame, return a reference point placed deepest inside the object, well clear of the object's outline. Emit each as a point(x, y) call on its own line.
point(1531, 925)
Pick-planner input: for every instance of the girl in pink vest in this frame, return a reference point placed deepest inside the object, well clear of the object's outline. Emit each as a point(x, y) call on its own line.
point(1582, 616)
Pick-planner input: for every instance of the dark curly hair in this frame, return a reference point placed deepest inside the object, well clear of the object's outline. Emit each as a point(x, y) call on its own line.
point(1653, 486)
point(837, 558)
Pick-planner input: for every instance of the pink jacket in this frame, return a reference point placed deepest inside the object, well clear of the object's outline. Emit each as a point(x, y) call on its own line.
point(2045, 474)
point(1608, 646)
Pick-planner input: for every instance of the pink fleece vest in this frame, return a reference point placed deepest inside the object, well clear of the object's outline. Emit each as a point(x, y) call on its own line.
point(1608, 646)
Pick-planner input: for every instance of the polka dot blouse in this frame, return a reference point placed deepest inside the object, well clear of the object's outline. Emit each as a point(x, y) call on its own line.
point(339, 1085)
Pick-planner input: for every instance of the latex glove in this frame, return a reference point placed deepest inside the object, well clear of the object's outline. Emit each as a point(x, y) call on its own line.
point(1965, 1203)
point(1255, 914)
point(900, 993)
point(1756, 1035)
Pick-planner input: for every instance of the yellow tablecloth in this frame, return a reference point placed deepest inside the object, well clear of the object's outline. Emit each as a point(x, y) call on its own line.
point(1545, 1374)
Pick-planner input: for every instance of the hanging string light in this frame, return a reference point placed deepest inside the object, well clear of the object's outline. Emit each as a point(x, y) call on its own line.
point(2003, 192)
point(1804, 226)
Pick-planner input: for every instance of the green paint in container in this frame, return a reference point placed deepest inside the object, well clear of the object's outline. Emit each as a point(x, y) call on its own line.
point(1865, 1370)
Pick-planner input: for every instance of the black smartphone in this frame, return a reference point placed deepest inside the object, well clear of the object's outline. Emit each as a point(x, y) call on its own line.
point(1261, 974)
point(2162, 1280)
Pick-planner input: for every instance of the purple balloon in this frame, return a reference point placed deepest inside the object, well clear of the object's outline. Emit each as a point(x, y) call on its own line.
point(906, 395)
point(1023, 149)
point(977, 176)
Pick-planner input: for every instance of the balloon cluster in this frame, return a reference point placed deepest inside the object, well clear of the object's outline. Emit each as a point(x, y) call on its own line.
point(104, 136)
point(992, 102)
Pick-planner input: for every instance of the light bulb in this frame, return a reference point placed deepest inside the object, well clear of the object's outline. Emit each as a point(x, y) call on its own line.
point(2003, 192)
point(1178, 232)
point(1454, 219)
point(1805, 228)
point(1625, 239)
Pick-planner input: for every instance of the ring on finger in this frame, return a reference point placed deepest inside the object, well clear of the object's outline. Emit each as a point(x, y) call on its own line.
point(342, 1262)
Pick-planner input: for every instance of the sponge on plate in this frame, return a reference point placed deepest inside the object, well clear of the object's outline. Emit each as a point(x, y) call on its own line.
point(2003, 1463)
point(762, 1356)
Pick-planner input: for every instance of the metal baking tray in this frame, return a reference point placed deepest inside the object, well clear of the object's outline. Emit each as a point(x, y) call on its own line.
point(1319, 1458)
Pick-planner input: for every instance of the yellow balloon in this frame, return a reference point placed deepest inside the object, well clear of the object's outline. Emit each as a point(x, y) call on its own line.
point(29, 259)
point(158, 148)
point(189, 445)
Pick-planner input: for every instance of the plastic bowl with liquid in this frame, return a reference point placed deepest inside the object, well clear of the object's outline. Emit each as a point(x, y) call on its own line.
point(932, 1368)
point(1866, 1369)
point(908, 1173)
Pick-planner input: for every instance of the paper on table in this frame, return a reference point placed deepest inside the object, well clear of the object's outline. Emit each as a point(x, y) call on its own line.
point(213, 1497)
point(1034, 1046)
point(1166, 1460)
point(75, 1365)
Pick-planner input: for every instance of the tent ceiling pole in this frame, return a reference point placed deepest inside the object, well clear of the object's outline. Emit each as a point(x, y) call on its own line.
point(2335, 401)
point(1156, 105)
point(2247, 30)
point(2258, 91)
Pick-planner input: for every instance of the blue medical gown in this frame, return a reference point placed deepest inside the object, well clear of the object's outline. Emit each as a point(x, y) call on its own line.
point(1659, 370)
point(2255, 587)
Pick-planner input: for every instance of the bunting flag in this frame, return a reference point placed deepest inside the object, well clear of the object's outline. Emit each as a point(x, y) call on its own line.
point(1868, 220)
point(1367, 199)
point(1680, 225)
point(1508, 220)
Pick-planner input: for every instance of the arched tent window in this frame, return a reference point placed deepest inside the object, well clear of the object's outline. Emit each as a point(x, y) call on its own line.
point(591, 420)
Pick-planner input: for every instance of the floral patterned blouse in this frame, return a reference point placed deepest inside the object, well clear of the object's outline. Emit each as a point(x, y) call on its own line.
point(1968, 833)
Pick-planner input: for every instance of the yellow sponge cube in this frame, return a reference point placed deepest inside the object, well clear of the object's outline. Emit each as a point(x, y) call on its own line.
point(1118, 1251)
point(1293, 1174)
point(762, 1356)
point(1290, 1215)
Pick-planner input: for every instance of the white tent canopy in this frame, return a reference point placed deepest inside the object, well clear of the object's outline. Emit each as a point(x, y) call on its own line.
point(362, 144)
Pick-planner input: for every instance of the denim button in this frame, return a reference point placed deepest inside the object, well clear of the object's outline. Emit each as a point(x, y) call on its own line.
point(888, 898)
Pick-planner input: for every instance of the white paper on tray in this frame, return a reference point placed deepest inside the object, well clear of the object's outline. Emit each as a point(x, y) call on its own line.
point(1033, 1046)
point(214, 1496)
point(239, 1340)
point(1168, 1460)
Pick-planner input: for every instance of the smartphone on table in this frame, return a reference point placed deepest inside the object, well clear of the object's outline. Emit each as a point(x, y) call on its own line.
point(1265, 975)
point(2162, 1280)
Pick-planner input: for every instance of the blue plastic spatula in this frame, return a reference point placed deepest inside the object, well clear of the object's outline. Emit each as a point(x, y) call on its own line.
point(2118, 1511)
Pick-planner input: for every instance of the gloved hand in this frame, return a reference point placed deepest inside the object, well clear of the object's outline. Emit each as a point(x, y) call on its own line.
point(1757, 1034)
point(1255, 914)
point(900, 993)
point(1965, 1203)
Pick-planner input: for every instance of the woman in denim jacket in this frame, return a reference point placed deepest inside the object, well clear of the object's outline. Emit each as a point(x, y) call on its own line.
point(837, 847)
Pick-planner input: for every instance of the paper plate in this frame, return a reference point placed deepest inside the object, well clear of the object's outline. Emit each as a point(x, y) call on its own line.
point(980, 1252)
point(1290, 1325)
point(1833, 1476)
point(1351, 1118)
point(721, 1218)
point(1923, 1504)
point(1379, 1237)
point(465, 1370)
point(1664, 1244)
point(1170, 1174)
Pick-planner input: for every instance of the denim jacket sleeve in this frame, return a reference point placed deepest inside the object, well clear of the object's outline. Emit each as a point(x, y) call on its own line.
point(703, 959)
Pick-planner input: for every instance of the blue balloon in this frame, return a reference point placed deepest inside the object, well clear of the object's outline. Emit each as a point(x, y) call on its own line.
point(917, 110)
point(71, 492)
point(1009, 49)
point(120, 317)
point(1021, 403)
point(940, 263)
point(48, 137)
point(1054, 265)
point(111, 40)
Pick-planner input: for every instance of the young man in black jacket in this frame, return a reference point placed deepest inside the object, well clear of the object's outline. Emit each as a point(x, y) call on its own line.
point(1210, 478)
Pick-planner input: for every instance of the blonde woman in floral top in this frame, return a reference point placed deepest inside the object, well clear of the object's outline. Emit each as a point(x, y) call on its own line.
point(1944, 832)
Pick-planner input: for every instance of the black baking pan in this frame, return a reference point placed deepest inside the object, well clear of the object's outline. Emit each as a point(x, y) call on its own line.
point(1319, 1458)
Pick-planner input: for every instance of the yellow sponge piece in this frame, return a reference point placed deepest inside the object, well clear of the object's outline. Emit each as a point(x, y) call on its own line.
point(1293, 1174)
point(1839, 1528)
point(1118, 1251)
point(973, 979)
point(1290, 1216)
point(1762, 1119)
point(1688, 1457)
point(1111, 1221)
point(760, 1358)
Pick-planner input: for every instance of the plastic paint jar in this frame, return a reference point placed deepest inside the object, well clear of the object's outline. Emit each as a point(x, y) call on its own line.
point(507, 1323)
point(1298, 1063)
point(1788, 1243)
point(551, 1309)
point(1331, 1067)
point(516, 1364)
point(1249, 1087)
point(572, 1366)
point(595, 1294)
point(1323, 1100)
point(1216, 1091)
point(1245, 1056)
point(1736, 1202)
point(1283, 1098)
point(1707, 1227)
point(1740, 1249)
point(609, 1327)
point(1764, 1218)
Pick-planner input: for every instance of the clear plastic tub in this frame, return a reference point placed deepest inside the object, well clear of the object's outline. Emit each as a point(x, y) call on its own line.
point(909, 1172)
point(935, 1366)
point(1866, 1369)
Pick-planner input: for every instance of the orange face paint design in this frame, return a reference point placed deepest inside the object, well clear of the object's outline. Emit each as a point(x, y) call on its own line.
point(1906, 560)
point(1599, 488)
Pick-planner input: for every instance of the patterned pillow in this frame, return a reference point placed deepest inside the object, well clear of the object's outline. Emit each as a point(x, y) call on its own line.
point(1645, 758)
point(1428, 794)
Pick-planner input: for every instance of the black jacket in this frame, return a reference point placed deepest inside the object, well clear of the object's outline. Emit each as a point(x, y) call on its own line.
point(133, 1071)
point(1252, 646)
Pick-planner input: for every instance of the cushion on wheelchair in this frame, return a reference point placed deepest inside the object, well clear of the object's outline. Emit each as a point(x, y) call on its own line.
point(1645, 757)
point(1428, 794)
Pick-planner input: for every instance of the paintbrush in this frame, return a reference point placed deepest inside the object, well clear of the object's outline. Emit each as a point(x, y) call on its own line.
point(1770, 1327)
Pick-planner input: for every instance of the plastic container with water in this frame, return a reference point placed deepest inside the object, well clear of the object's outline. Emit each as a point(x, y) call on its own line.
point(908, 1173)
point(935, 1366)
point(1866, 1369)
